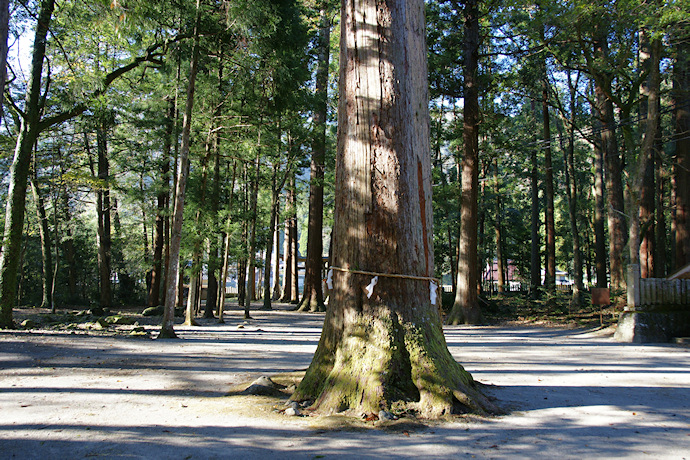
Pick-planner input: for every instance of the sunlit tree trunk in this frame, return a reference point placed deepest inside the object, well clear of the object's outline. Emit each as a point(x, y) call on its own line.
point(466, 305)
point(172, 275)
point(312, 297)
point(382, 346)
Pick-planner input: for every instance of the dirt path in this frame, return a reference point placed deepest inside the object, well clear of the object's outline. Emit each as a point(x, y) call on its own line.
point(573, 395)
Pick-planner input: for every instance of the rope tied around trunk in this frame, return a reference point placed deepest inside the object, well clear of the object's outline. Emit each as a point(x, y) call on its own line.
point(434, 283)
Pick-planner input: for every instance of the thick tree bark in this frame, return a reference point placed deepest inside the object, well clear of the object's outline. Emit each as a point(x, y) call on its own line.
point(19, 171)
point(681, 171)
point(312, 297)
point(384, 349)
point(466, 305)
point(172, 275)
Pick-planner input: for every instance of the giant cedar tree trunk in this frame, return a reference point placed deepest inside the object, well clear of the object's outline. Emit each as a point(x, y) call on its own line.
point(19, 171)
point(312, 298)
point(385, 349)
point(466, 305)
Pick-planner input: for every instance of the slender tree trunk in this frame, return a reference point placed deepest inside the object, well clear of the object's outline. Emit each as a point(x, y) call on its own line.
point(103, 215)
point(549, 215)
point(535, 256)
point(572, 193)
point(250, 293)
point(294, 244)
point(46, 251)
point(384, 348)
point(172, 276)
point(161, 205)
point(466, 305)
point(661, 257)
point(501, 279)
point(646, 157)
point(19, 171)
point(276, 256)
point(4, 33)
point(275, 198)
point(681, 167)
point(287, 248)
point(612, 163)
point(647, 197)
point(312, 299)
point(600, 254)
point(226, 251)
point(213, 262)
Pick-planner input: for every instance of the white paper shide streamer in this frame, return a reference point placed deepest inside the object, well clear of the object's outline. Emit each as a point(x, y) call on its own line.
point(433, 292)
point(370, 288)
point(329, 279)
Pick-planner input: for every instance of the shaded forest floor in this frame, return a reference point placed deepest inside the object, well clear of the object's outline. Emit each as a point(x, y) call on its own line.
point(71, 390)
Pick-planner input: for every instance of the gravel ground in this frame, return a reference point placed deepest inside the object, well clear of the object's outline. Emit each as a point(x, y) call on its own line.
point(80, 392)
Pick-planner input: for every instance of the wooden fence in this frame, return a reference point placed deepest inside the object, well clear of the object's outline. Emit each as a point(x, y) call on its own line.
point(653, 293)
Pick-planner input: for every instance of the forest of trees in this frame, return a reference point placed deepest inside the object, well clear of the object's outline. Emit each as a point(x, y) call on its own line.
point(147, 145)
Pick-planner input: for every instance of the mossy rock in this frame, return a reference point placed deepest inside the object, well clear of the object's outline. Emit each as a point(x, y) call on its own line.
point(153, 311)
point(28, 324)
point(120, 320)
point(138, 331)
point(100, 324)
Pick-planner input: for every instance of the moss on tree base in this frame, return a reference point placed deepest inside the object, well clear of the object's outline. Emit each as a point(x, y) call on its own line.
point(382, 363)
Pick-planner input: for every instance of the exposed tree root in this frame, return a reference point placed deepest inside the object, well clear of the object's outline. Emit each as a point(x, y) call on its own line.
point(384, 364)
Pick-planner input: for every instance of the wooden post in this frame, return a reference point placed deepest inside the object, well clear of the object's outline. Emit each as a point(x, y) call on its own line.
point(633, 287)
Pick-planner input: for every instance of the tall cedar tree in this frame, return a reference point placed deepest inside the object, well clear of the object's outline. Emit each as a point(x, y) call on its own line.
point(466, 305)
point(312, 299)
point(387, 347)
